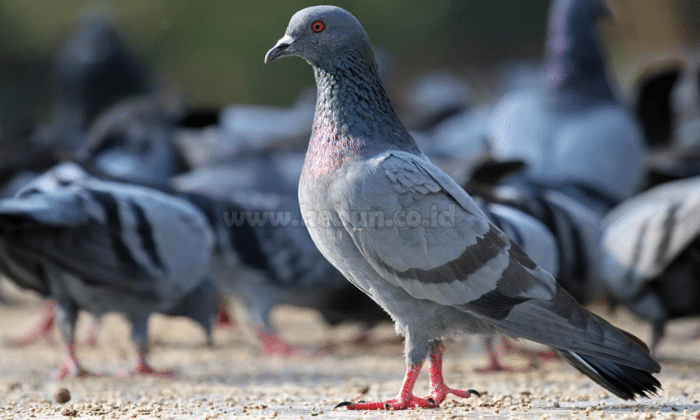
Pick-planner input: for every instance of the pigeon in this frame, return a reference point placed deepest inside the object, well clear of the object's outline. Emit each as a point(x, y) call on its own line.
point(652, 103)
point(401, 230)
point(668, 105)
point(200, 306)
point(134, 141)
point(650, 253)
point(265, 257)
point(573, 130)
point(248, 174)
point(436, 96)
point(530, 234)
point(685, 102)
point(105, 247)
point(93, 70)
point(570, 217)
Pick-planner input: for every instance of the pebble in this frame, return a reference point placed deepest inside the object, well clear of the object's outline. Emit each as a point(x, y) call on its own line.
point(62, 396)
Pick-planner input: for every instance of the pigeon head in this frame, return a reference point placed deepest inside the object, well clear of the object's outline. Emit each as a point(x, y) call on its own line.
point(575, 66)
point(320, 35)
point(354, 116)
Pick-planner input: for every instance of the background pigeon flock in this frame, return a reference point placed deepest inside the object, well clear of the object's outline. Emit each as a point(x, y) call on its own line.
point(410, 194)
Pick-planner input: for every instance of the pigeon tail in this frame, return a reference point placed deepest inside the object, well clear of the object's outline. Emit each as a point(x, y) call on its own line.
point(624, 381)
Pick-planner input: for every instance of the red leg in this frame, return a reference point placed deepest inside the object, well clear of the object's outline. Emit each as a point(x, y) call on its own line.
point(222, 319)
point(404, 400)
point(41, 329)
point(90, 338)
point(142, 367)
point(438, 389)
point(274, 345)
point(70, 365)
point(534, 355)
point(494, 364)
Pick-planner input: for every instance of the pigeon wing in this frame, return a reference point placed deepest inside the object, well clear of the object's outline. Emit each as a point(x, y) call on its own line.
point(464, 261)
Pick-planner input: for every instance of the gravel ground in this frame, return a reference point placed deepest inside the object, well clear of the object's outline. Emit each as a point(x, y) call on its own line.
point(231, 380)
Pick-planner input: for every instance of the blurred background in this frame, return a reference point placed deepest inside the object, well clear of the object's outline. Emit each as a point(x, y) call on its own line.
point(212, 50)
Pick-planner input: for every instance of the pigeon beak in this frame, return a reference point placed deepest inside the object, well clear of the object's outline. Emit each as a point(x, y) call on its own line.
point(280, 49)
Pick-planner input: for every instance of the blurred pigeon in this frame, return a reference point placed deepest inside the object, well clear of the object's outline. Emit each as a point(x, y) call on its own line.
point(93, 70)
point(265, 257)
point(247, 174)
point(652, 103)
point(428, 254)
point(530, 234)
point(669, 107)
point(102, 247)
point(572, 131)
point(263, 128)
point(685, 102)
point(650, 257)
point(436, 96)
point(199, 305)
point(568, 215)
point(134, 141)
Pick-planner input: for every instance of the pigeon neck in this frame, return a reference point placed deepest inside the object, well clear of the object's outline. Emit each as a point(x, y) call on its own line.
point(574, 70)
point(354, 116)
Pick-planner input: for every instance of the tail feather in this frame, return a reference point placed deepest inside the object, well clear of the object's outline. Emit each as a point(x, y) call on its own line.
point(624, 381)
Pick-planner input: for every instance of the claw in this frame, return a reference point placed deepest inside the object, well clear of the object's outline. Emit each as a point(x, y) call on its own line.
point(471, 391)
point(342, 404)
point(406, 399)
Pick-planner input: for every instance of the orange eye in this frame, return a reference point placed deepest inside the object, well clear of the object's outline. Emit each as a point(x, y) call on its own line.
point(318, 26)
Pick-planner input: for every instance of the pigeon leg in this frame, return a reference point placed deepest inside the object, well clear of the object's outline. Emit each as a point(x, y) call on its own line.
point(139, 335)
point(41, 329)
point(534, 355)
point(405, 398)
point(142, 367)
point(658, 328)
point(438, 389)
point(274, 345)
point(222, 319)
point(90, 338)
point(70, 366)
point(494, 364)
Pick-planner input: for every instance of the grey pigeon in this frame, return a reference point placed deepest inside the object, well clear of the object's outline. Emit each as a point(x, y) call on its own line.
point(571, 218)
point(532, 235)
point(407, 235)
point(572, 130)
point(435, 96)
point(104, 247)
point(650, 256)
point(248, 174)
point(94, 69)
point(265, 257)
point(134, 141)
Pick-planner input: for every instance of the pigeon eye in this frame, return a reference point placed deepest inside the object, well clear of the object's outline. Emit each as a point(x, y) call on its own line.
point(318, 26)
